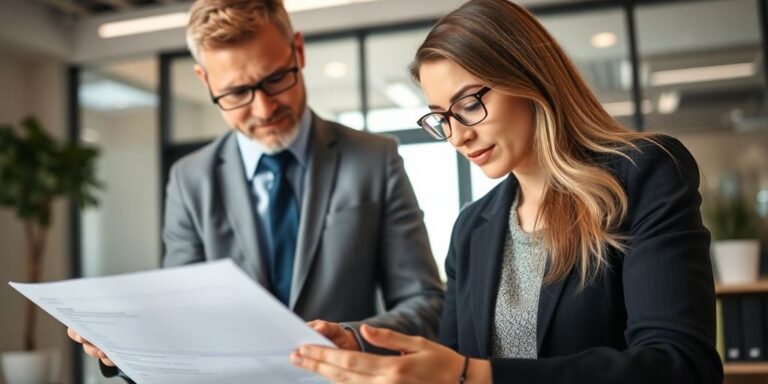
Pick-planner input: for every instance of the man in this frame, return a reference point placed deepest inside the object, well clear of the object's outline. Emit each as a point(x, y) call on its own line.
point(319, 214)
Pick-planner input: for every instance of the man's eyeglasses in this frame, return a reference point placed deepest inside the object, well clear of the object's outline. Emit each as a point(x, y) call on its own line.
point(272, 85)
point(467, 110)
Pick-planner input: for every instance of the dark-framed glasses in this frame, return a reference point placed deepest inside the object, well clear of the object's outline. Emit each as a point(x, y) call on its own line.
point(272, 85)
point(467, 110)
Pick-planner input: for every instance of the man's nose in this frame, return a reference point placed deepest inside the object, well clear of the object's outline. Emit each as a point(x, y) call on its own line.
point(263, 106)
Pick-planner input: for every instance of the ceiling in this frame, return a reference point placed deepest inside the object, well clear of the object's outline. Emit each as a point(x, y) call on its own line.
point(84, 8)
point(671, 36)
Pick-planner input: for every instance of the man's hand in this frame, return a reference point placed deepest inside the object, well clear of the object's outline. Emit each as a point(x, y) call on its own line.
point(89, 348)
point(342, 337)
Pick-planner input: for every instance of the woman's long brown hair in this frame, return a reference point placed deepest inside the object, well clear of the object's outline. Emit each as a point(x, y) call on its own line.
point(583, 204)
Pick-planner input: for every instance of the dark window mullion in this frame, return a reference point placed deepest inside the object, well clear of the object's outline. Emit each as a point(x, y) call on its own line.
point(363, 75)
point(634, 58)
point(465, 180)
point(75, 224)
point(762, 6)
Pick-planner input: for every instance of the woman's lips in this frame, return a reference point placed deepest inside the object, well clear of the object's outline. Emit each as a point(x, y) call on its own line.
point(480, 157)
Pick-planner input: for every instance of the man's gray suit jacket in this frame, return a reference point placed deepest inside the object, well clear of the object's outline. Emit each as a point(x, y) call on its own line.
point(360, 229)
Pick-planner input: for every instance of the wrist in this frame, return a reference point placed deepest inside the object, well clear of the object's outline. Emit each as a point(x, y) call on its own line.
point(478, 372)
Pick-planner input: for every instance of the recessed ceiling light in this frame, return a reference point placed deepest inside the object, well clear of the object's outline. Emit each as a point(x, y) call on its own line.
point(701, 74)
point(604, 40)
point(180, 19)
point(335, 70)
point(402, 95)
point(108, 95)
point(626, 108)
point(305, 5)
point(143, 25)
point(668, 102)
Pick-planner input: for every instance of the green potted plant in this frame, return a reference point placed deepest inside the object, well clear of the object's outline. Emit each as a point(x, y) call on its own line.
point(734, 224)
point(34, 171)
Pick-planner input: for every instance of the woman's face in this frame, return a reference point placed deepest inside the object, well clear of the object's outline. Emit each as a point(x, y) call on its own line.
point(499, 144)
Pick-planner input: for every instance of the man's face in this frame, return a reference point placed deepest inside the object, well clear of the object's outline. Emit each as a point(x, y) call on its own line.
point(271, 121)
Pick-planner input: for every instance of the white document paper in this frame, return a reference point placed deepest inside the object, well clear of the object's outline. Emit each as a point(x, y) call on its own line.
point(204, 323)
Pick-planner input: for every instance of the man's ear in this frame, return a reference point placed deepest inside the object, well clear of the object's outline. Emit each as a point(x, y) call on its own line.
point(298, 42)
point(200, 72)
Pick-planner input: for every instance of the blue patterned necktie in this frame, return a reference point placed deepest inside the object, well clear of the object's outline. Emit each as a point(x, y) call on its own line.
point(283, 224)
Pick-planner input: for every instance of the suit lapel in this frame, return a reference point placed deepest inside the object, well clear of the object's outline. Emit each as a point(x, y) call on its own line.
point(549, 297)
point(486, 254)
point(237, 203)
point(486, 250)
point(319, 180)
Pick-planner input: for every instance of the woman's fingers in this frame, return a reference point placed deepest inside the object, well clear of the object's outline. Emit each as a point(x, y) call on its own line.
point(333, 372)
point(395, 341)
point(349, 360)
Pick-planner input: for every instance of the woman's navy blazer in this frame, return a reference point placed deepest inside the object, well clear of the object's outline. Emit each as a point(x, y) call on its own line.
point(648, 319)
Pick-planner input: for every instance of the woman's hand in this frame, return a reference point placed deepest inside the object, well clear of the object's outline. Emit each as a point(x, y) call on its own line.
point(89, 348)
point(421, 361)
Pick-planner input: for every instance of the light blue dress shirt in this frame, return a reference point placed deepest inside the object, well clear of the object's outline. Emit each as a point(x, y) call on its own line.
point(261, 180)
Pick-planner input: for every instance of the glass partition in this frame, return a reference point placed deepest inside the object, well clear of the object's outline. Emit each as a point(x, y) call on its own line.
point(597, 43)
point(394, 101)
point(332, 75)
point(431, 167)
point(118, 110)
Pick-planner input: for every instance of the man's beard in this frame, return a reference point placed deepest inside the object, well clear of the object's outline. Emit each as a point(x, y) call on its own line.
point(283, 138)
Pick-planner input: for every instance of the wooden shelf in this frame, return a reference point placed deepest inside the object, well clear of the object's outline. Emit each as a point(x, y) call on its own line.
point(756, 368)
point(760, 286)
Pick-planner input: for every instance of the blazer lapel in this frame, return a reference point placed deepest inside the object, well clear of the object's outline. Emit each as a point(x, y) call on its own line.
point(486, 251)
point(319, 180)
point(239, 208)
point(549, 297)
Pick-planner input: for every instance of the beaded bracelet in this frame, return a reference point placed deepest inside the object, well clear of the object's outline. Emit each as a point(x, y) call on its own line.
point(463, 376)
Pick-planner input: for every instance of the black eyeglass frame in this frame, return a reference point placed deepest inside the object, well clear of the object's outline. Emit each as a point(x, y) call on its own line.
point(448, 114)
point(260, 85)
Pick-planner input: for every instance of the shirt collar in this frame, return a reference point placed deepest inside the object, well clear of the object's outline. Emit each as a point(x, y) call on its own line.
point(251, 151)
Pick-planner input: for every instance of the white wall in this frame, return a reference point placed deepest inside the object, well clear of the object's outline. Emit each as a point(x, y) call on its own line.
point(718, 153)
point(29, 27)
point(88, 46)
point(122, 234)
point(18, 77)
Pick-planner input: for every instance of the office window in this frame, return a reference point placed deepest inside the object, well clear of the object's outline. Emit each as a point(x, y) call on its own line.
point(431, 167)
point(194, 117)
point(394, 101)
point(701, 66)
point(481, 184)
point(118, 110)
point(332, 75)
point(703, 72)
point(597, 43)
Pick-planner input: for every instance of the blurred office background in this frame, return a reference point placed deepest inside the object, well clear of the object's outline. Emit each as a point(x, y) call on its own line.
point(691, 69)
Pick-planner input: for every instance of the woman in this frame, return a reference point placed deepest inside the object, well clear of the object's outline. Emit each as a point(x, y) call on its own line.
point(588, 264)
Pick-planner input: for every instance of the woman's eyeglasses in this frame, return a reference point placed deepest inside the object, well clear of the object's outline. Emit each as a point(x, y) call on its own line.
point(467, 110)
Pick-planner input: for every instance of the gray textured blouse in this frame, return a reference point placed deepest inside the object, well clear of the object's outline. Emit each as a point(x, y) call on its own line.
point(513, 332)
